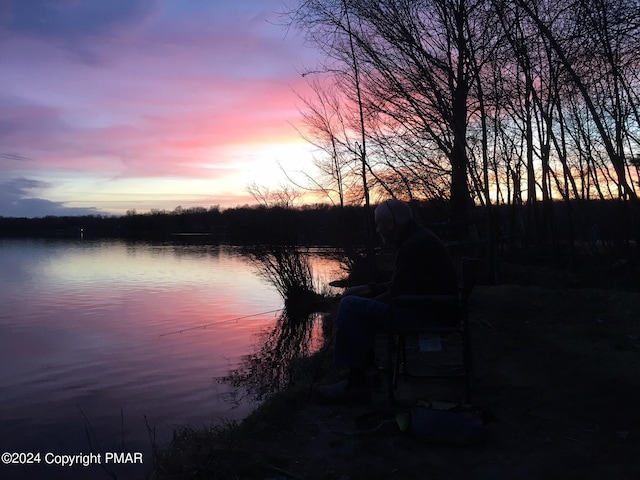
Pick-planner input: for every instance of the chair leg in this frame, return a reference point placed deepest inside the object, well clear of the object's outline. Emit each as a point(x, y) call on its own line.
point(391, 368)
point(401, 361)
point(405, 364)
point(468, 365)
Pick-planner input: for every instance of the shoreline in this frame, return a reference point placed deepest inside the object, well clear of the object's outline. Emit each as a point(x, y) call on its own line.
point(556, 380)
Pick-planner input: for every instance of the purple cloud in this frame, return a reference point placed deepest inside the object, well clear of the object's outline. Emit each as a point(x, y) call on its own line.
point(144, 89)
point(15, 201)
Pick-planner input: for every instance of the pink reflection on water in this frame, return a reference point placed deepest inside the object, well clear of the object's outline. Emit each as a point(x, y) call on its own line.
point(85, 325)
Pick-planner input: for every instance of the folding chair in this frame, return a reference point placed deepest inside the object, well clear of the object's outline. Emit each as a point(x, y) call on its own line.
point(452, 318)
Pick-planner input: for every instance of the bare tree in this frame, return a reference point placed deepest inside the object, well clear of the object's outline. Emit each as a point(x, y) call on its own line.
point(488, 101)
point(284, 197)
point(328, 128)
point(412, 83)
point(609, 139)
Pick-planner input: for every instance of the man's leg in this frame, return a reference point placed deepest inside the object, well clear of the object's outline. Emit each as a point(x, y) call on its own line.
point(357, 322)
point(356, 326)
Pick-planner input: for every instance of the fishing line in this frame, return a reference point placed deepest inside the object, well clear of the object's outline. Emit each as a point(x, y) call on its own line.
point(235, 319)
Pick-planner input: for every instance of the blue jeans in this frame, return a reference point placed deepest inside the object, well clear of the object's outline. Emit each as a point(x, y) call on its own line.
point(358, 321)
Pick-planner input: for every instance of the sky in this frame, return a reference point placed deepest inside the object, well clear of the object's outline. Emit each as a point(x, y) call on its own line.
point(108, 106)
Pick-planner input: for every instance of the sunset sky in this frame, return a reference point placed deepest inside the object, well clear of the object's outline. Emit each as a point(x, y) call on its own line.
point(108, 106)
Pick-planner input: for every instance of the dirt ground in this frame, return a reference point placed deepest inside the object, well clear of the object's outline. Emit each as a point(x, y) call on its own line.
point(557, 380)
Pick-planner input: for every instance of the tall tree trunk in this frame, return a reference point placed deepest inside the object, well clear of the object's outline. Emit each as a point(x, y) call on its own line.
point(362, 150)
point(460, 199)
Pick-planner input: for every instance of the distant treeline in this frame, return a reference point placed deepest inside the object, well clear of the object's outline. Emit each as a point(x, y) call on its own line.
point(241, 225)
point(607, 222)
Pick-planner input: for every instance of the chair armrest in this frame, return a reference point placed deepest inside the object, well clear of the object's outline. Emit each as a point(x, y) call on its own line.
point(440, 312)
point(423, 301)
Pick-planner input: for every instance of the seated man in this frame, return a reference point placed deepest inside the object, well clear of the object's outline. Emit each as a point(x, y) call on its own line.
point(422, 267)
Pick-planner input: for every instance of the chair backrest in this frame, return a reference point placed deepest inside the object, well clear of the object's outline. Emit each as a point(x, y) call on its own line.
point(468, 279)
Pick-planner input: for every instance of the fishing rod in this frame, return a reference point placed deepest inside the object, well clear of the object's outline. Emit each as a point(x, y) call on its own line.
point(235, 319)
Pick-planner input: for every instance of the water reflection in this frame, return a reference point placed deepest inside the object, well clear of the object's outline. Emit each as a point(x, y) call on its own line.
point(298, 330)
point(80, 336)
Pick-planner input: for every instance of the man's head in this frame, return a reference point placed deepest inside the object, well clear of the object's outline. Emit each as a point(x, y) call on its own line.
point(391, 218)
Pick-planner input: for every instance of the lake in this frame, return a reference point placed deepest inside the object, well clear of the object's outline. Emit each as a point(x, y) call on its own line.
point(101, 346)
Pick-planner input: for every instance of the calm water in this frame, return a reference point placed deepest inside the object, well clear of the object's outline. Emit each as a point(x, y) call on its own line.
point(84, 351)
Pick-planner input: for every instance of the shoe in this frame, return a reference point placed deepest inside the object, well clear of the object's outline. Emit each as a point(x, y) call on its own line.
point(345, 393)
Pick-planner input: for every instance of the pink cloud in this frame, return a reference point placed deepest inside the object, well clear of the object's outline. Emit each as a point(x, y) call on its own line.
point(170, 94)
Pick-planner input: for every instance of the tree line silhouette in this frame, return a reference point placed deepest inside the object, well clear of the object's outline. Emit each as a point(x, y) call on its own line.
point(530, 104)
point(599, 222)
